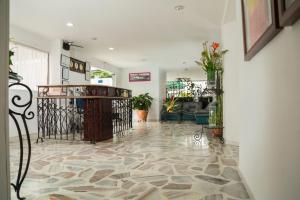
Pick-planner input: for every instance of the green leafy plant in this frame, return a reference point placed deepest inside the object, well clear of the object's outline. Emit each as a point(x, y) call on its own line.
point(171, 104)
point(141, 102)
point(13, 75)
point(11, 54)
point(212, 119)
point(100, 74)
point(211, 57)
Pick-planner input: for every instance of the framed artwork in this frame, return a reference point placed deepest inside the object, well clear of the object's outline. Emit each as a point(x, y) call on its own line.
point(65, 82)
point(139, 77)
point(64, 89)
point(65, 73)
point(77, 65)
point(87, 66)
point(64, 61)
point(260, 25)
point(87, 75)
point(289, 12)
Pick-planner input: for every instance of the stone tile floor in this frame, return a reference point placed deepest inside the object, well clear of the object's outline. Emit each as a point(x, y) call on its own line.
point(154, 161)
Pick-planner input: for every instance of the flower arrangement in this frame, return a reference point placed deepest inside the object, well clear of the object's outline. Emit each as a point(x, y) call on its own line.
point(211, 59)
point(171, 104)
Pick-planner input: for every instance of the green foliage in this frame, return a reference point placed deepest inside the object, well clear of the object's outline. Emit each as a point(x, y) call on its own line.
point(100, 74)
point(11, 54)
point(212, 120)
point(219, 111)
point(211, 57)
point(141, 102)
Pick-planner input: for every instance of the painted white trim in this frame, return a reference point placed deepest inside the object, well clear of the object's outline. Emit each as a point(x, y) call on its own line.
point(250, 193)
point(4, 138)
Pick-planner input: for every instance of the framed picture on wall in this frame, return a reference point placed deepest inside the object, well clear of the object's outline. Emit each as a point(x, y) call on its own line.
point(139, 77)
point(77, 65)
point(64, 61)
point(65, 82)
point(289, 11)
point(260, 25)
point(87, 66)
point(65, 73)
point(87, 75)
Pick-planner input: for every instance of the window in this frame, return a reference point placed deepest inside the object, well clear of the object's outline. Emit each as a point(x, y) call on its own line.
point(101, 77)
point(31, 64)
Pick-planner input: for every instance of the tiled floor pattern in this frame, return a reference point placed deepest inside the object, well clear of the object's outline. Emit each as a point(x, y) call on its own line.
point(155, 161)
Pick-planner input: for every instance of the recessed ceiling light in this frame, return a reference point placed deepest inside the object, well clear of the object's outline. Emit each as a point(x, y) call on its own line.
point(69, 24)
point(111, 48)
point(179, 8)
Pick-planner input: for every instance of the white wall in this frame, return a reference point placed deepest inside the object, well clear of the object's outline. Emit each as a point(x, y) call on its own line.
point(230, 33)
point(81, 55)
point(162, 87)
point(193, 73)
point(265, 111)
point(152, 87)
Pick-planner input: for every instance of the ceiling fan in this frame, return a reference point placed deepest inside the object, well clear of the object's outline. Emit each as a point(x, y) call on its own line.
point(68, 44)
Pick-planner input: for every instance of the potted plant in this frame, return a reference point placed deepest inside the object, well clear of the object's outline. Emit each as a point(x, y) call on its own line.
point(171, 104)
point(211, 61)
point(141, 104)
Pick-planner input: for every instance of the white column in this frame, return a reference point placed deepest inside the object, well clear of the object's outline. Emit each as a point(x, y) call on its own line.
point(4, 147)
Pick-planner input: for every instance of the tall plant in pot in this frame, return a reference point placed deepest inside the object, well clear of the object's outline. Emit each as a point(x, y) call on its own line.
point(141, 104)
point(211, 61)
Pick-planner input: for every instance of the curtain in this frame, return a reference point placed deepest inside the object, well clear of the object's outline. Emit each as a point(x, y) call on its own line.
point(31, 64)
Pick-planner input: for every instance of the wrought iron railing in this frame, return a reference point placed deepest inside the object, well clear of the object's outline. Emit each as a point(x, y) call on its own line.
point(20, 114)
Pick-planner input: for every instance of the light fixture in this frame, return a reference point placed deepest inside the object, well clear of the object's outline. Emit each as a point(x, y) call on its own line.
point(111, 48)
point(179, 8)
point(69, 24)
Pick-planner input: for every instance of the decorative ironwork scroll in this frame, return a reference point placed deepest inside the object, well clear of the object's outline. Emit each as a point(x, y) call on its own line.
point(20, 114)
point(83, 112)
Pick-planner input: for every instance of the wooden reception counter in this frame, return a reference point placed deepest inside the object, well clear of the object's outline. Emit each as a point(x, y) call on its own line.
point(82, 112)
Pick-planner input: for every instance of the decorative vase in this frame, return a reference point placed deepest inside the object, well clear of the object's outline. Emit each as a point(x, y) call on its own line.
point(211, 78)
point(142, 115)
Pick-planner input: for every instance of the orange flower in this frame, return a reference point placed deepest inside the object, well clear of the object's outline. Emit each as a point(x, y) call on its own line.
point(215, 45)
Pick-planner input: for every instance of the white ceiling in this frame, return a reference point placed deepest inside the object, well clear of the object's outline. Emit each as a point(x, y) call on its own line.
point(143, 32)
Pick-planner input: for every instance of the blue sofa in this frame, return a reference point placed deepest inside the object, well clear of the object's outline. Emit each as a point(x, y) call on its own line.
point(188, 111)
